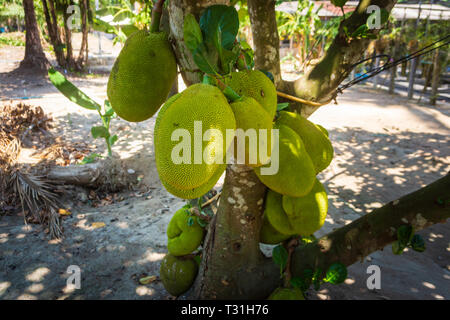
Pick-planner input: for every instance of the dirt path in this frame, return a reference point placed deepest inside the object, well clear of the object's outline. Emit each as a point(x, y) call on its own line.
point(385, 147)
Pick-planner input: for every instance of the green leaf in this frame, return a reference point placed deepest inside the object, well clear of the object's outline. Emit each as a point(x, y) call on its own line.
point(190, 221)
point(316, 279)
point(397, 248)
point(268, 74)
point(192, 32)
point(282, 106)
point(280, 256)
point(112, 139)
point(198, 259)
point(201, 222)
point(404, 235)
point(360, 31)
point(70, 91)
point(220, 25)
point(338, 3)
point(128, 30)
point(417, 243)
point(109, 111)
point(337, 273)
point(99, 131)
point(90, 158)
point(202, 62)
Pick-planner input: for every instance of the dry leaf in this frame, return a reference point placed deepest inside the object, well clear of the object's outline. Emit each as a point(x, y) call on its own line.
point(97, 225)
point(147, 280)
point(64, 212)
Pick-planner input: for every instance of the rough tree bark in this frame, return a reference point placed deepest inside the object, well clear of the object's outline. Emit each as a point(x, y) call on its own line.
point(34, 54)
point(233, 266)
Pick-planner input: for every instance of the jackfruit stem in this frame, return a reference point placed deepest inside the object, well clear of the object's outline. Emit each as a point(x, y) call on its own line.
point(156, 16)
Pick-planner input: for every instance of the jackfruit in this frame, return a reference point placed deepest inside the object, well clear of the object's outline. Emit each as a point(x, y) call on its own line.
point(307, 214)
point(316, 141)
point(182, 237)
point(287, 294)
point(177, 274)
point(275, 214)
point(296, 174)
point(325, 131)
point(193, 158)
point(198, 191)
point(255, 84)
point(250, 115)
point(269, 235)
point(142, 76)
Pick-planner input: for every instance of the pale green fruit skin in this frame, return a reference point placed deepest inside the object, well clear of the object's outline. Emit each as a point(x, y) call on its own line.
point(325, 131)
point(269, 235)
point(275, 215)
point(296, 173)
point(182, 238)
point(255, 84)
point(250, 115)
point(142, 76)
point(287, 294)
point(316, 141)
point(199, 102)
point(198, 191)
point(307, 214)
point(177, 275)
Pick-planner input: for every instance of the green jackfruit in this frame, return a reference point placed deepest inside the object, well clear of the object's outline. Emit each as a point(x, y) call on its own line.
point(182, 237)
point(142, 76)
point(250, 115)
point(307, 214)
point(255, 84)
point(287, 294)
point(296, 173)
point(316, 141)
point(275, 214)
point(193, 158)
point(325, 131)
point(198, 191)
point(269, 235)
point(177, 274)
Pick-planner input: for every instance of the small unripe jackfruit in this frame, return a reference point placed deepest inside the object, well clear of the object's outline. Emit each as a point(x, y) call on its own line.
point(177, 274)
point(307, 214)
point(269, 235)
point(182, 237)
point(275, 214)
point(287, 294)
point(142, 76)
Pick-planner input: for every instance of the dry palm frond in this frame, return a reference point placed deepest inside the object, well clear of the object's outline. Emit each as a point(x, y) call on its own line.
point(36, 195)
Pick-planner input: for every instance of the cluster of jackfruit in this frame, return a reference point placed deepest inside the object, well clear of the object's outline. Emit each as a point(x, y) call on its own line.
point(178, 268)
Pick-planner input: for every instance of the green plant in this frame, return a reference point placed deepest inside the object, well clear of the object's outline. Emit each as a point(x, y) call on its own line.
point(75, 95)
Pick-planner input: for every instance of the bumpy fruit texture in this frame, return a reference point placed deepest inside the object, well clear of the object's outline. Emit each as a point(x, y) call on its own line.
point(269, 235)
point(250, 115)
point(177, 274)
point(316, 141)
point(177, 162)
point(142, 76)
point(198, 191)
point(287, 294)
point(296, 173)
point(182, 237)
point(255, 84)
point(307, 214)
point(275, 215)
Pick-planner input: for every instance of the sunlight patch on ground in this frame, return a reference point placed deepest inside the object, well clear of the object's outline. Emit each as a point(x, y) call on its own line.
point(150, 256)
point(144, 291)
point(35, 288)
point(4, 286)
point(38, 275)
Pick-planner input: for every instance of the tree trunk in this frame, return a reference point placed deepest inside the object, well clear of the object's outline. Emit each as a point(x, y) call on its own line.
point(436, 77)
point(83, 54)
point(53, 31)
point(34, 54)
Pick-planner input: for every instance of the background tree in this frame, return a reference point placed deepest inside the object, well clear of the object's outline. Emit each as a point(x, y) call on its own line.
point(34, 54)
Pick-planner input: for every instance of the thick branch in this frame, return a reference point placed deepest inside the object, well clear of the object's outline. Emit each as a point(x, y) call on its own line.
point(321, 81)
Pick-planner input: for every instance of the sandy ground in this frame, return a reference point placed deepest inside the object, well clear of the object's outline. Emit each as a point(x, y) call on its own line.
point(385, 147)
